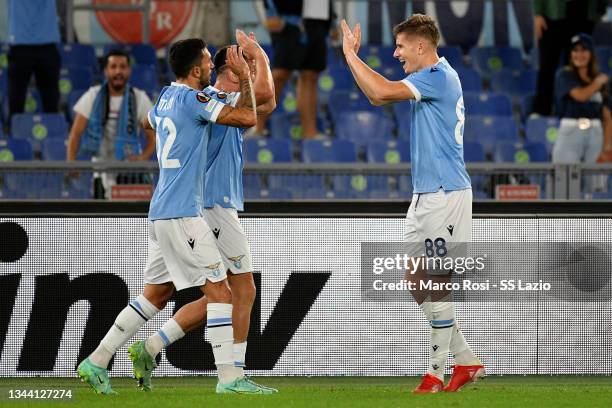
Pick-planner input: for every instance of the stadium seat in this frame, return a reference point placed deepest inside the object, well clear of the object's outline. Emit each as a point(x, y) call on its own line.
point(361, 127)
point(53, 149)
point(471, 80)
point(4, 48)
point(488, 130)
point(491, 103)
point(12, 149)
point(37, 127)
point(490, 59)
point(285, 125)
point(302, 182)
point(287, 101)
point(340, 101)
point(335, 78)
point(267, 194)
point(604, 58)
point(473, 152)
point(144, 77)
point(252, 181)
point(74, 78)
point(402, 112)
point(405, 185)
point(511, 152)
point(73, 98)
point(526, 105)
point(480, 195)
point(453, 55)
point(391, 152)
point(3, 85)
point(328, 151)
point(140, 53)
point(514, 82)
point(542, 129)
point(79, 56)
point(33, 104)
point(383, 194)
point(378, 56)
point(359, 184)
point(267, 150)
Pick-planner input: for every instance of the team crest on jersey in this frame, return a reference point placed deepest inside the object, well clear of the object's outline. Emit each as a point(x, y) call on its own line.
point(236, 260)
point(202, 97)
point(214, 268)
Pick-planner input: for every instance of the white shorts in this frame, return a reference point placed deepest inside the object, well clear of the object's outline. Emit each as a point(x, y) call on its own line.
point(435, 220)
point(231, 239)
point(183, 251)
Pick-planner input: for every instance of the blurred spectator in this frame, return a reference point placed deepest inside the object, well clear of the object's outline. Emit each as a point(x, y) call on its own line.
point(583, 104)
point(555, 22)
point(299, 30)
point(33, 39)
point(107, 121)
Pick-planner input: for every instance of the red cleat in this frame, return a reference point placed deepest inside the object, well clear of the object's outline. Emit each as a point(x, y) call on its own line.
point(463, 375)
point(430, 384)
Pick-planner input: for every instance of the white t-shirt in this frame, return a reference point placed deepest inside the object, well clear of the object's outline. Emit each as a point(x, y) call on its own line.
point(85, 104)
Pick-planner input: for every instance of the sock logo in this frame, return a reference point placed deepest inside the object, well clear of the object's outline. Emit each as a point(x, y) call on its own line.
point(216, 346)
point(216, 231)
point(450, 229)
point(119, 327)
point(434, 347)
point(191, 242)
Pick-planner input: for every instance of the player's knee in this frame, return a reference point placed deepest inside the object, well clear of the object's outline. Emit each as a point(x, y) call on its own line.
point(159, 295)
point(218, 292)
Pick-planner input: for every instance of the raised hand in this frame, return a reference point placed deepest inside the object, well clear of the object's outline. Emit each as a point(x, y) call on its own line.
point(351, 40)
point(248, 44)
point(236, 62)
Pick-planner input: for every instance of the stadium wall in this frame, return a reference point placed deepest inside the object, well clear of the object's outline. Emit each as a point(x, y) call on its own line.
point(68, 269)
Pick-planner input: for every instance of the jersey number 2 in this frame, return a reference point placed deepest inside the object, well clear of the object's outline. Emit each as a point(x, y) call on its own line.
point(168, 125)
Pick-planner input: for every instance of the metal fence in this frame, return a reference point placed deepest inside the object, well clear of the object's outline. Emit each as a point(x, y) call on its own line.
point(300, 181)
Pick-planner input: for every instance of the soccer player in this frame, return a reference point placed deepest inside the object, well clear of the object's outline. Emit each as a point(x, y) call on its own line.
point(223, 198)
point(182, 248)
point(440, 212)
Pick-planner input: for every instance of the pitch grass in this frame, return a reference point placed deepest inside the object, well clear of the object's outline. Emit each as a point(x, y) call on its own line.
point(371, 392)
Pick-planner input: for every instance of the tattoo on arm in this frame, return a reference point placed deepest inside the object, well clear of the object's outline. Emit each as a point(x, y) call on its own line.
point(246, 93)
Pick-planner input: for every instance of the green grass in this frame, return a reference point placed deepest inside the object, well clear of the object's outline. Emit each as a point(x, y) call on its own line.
point(196, 392)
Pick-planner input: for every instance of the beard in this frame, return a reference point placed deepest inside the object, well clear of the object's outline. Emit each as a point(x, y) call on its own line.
point(117, 83)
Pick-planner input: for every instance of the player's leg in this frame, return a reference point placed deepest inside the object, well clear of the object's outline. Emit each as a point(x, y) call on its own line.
point(157, 292)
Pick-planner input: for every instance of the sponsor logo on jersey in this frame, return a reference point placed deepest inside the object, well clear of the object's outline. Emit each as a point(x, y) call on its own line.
point(222, 95)
point(203, 97)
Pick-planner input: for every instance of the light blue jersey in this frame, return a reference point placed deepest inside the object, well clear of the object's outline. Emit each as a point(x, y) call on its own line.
point(182, 118)
point(436, 130)
point(224, 163)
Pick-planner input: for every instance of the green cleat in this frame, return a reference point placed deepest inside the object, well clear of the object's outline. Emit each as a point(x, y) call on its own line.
point(142, 365)
point(244, 386)
point(96, 377)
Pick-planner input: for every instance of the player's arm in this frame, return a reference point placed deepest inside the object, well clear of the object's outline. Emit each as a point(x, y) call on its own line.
point(246, 115)
point(263, 83)
point(74, 138)
point(378, 89)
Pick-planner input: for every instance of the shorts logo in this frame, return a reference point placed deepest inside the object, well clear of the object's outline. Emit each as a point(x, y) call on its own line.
point(191, 242)
point(236, 260)
point(202, 97)
point(216, 231)
point(214, 268)
point(450, 229)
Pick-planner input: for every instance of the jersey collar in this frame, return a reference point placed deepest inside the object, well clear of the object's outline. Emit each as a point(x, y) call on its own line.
point(186, 86)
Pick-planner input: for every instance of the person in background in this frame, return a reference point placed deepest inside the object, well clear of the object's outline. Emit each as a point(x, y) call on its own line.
point(299, 30)
point(583, 104)
point(33, 37)
point(555, 22)
point(106, 124)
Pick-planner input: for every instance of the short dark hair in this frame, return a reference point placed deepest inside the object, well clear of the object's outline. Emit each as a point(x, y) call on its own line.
point(184, 55)
point(116, 52)
point(220, 59)
point(419, 25)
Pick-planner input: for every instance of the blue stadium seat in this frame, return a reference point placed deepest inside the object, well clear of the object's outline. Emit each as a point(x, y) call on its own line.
point(79, 56)
point(514, 82)
point(383, 194)
point(328, 151)
point(73, 98)
point(287, 102)
point(33, 104)
point(4, 48)
point(74, 78)
point(267, 150)
point(361, 127)
point(604, 58)
point(53, 149)
point(402, 111)
point(405, 185)
point(509, 152)
point(37, 127)
point(490, 59)
point(335, 78)
point(526, 106)
point(473, 152)
point(488, 130)
point(340, 101)
point(359, 185)
point(140, 53)
point(480, 195)
point(252, 181)
point(453, 55)
point(491, 103)
point(391, 152)
point(12, 149)
point(3, 85)
point(285, 125)
point(300, 182)
point(542, 129)
point(268, 194)
point(316, 194)
point(378, 56)
point(471, 81)
point(144, 76)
